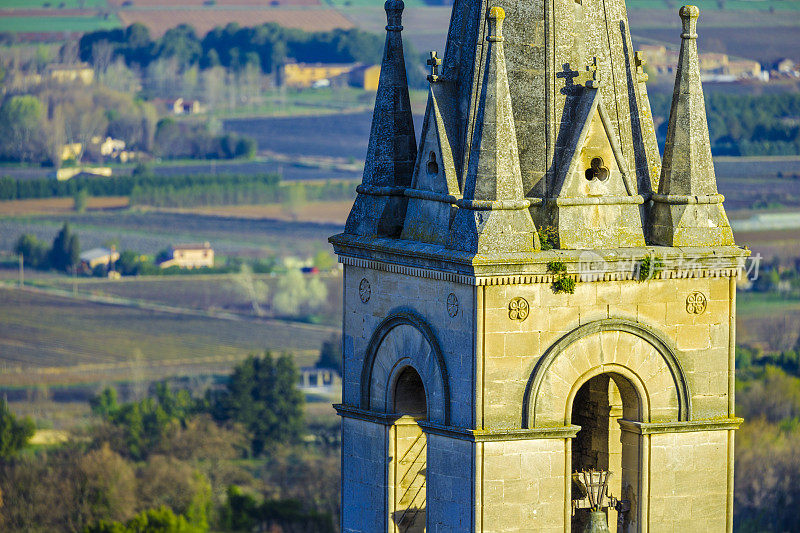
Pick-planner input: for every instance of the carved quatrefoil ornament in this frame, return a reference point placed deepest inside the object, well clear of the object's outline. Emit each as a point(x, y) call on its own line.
point(518, 309)
point(364, 290)
point(696, 303)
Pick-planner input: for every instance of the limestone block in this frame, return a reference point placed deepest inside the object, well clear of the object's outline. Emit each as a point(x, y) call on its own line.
point(694, 337)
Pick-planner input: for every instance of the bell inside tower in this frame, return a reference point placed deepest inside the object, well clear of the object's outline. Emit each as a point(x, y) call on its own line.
point(605, 460)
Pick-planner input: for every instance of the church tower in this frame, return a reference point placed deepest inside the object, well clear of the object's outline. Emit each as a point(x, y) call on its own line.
point(539, 313)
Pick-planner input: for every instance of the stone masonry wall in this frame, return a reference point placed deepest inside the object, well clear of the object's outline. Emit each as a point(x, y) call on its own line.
point(428, 299)
point(451, 485)
point(523, 486)
point(690, 491)
point(364, 468)
point(513, 347)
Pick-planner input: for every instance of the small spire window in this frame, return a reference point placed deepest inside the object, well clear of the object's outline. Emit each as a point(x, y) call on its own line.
point(433, 166)
point(597, 170)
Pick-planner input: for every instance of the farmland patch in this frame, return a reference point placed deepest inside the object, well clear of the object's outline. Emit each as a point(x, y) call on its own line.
point(205, 20)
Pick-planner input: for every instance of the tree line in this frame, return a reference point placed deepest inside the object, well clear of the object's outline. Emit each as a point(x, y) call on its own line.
point(142, 177)
point(265, 46)
point(291, 195)
point(744, 125)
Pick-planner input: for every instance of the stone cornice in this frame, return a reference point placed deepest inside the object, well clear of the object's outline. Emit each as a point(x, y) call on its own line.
point(494, 435)
point(437, 262)
point(348, 411)
point(651, 428)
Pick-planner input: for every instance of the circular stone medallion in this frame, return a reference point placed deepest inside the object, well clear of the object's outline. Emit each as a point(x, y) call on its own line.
point(696, 303)
point(452, 305)
point(518, 309)
point(364, 290)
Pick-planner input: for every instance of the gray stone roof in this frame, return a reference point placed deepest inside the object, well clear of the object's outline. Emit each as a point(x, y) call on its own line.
point(538, 118)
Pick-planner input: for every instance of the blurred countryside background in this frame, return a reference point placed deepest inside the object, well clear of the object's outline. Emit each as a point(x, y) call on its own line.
point(170, 308)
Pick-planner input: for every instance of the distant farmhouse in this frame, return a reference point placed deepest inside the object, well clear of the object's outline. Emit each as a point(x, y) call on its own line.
point(100, 148)
point(95, 257)
point(181, 106)
point(189, 256)
point(307, 75)
point(713, 66)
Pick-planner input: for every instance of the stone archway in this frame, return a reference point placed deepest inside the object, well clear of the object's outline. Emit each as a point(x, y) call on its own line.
point(636, 376)
point(634, 351)
point(404, 339)
point(597, 403)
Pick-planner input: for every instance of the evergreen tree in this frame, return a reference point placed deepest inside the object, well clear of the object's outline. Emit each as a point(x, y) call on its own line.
point(262, 395)
point(330, 356)
point(14, 433)
point(65, 252)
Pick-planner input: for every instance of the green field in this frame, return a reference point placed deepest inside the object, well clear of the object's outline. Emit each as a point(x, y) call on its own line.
point(754, 304)
point(47, 339)
point(56, 24)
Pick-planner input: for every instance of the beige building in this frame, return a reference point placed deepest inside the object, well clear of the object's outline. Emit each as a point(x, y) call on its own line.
point(539, 311)
point(99, 256)
point(306, 75)
point(366, 77)
point(713, 66)
point(182, 106)
point(189, 256)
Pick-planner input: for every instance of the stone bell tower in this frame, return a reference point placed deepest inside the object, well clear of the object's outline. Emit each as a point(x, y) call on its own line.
point(539, 314)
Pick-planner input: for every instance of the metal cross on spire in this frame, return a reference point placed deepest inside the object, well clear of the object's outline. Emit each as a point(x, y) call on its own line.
point(434, 62)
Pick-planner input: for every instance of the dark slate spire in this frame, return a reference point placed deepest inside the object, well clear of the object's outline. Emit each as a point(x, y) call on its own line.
point(687, 210)
point(380, 206)
point(493, 215)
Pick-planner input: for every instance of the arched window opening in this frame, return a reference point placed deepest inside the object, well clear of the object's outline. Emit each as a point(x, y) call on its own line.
point(411, 451)
point(601, 445)
point(409, 394)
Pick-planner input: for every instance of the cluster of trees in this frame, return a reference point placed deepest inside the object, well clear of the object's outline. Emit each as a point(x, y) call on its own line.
point(14, 432)
point(775, 276)
point(232, 460)
point(745, 124)
point(767, 481)
point(191, 190)
point(233, 47)
point(261, 396)
point(62, 255)
point(193, 140)
point(34, 127)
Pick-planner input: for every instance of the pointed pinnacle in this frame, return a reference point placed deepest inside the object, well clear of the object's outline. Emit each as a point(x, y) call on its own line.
point(689, 15)
point(496, 17)
point(394, 14)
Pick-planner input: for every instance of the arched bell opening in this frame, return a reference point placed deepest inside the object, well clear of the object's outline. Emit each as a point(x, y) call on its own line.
point(409, 394)
point(602, 453)
point(410, 452)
